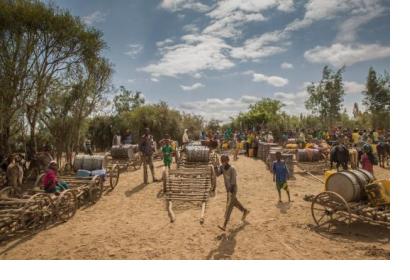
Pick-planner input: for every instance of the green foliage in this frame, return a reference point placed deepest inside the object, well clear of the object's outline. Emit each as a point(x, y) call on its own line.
point(326, 98)
point(377, 98)
point(127, 100)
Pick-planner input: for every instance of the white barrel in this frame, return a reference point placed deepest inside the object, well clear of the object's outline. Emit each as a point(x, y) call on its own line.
point(88, 162)
point(347, 184)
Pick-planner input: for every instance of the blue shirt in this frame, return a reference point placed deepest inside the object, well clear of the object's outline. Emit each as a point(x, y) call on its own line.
point(280, 170)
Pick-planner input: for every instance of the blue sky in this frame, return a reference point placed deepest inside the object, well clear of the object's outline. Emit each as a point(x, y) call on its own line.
point(214, 58)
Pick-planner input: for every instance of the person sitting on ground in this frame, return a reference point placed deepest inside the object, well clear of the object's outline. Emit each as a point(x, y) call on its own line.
point(231, 187)
point(167, 152)
point(50, 181)
point(280, 176)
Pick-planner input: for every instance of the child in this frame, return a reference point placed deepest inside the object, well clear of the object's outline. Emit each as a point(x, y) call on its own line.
point(280, 175)
point(167, 153)
point(229, 174)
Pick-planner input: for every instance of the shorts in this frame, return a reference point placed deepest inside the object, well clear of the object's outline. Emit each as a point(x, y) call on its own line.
point(282, 185)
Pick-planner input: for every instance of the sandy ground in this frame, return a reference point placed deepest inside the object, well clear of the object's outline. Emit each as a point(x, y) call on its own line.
point(132, 223)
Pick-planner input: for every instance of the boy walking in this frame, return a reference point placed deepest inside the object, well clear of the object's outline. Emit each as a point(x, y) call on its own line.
point(280, 176)
point(229, 174)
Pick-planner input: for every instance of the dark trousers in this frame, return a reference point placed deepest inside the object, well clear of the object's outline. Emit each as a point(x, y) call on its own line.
point(231, 202)
point(147, 160)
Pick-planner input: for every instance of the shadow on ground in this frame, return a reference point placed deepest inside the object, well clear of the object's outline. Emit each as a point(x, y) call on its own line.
point(227, 245)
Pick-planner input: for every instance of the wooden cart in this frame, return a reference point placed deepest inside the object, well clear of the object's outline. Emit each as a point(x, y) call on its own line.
point(330, 209)
point(31, 213)
point(191, 181)
point(124, 161)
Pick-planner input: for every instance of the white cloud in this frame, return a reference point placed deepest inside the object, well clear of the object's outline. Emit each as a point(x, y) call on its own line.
point(163, 43)
point(294, 101)
point(260, 46)
point(352, 87)
point(340, 54)
point(193, 87)
point(226, 7)
point(272, 80)
point(229, 25)
point(95, 17)
point(359, 12)
point(134, 50)
point(221, 109)
point(179, 5)
point(286, 65)
point(196, 54)
point(190, 28)
point(131, 81)
point(155, 80)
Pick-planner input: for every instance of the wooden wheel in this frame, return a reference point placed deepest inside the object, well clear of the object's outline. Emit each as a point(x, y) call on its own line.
point(66, 205)
point(329, 208)
point(114, 176)
point(39, 181)
point(96, 191)
point(38, 211)
point(213, 182)
point(10, 192)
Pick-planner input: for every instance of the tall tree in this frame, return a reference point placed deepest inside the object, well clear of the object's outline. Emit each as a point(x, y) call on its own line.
point(326, 98)
point(127, 100)
point(377, 98)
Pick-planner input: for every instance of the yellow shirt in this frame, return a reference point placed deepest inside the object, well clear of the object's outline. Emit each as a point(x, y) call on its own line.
point(355, 137)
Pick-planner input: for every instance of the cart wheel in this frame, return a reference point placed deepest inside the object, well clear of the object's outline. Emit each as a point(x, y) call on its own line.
point(66, 205)
point(328, 208)
point(39, 180)
point(10, 192)
point(96, 191)
point(114, 176)
point(38, 211)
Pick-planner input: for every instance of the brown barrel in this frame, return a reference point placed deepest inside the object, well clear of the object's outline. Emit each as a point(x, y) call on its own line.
point(308, 155)
point(123, 152)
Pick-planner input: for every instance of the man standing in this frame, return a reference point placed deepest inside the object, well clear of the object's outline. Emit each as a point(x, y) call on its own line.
point(147, 149)
point(185, 138)
point(87, 146)
point(229, 174)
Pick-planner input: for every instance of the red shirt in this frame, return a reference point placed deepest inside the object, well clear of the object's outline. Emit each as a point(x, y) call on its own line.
point(50, 179)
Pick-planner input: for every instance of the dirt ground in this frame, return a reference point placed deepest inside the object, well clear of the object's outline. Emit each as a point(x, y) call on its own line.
point(132, 223)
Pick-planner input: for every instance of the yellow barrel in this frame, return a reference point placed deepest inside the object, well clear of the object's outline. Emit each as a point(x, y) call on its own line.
point(291, 146)
point(386, 184)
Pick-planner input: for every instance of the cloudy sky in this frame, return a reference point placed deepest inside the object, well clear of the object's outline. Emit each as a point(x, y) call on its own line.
point(216, 57)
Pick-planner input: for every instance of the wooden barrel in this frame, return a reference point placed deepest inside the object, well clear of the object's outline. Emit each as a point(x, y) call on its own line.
point(349, 184)
point(123, 152)
point(288, 159)
point(88, 162)
point(197, 153)
point(308, 155)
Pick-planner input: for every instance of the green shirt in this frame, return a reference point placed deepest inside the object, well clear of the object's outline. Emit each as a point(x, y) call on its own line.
point(167, 152)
